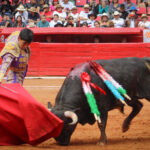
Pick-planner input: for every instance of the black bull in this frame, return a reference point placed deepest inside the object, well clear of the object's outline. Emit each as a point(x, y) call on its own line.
point(132, 73)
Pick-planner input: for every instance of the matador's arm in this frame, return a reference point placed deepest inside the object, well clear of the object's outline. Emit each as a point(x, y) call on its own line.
point(7, 60)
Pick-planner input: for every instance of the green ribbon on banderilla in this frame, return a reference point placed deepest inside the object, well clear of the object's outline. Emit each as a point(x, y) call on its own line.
point(85, 79)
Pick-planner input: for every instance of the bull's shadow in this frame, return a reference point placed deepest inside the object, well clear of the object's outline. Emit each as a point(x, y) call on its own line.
point(112, 141)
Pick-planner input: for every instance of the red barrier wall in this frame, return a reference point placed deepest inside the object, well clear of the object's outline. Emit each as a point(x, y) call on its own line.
point(57, 59)
point(84, 35)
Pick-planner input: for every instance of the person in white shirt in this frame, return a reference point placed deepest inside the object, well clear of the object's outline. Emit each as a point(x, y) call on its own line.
point(54, 21)
point(74, 14)
point(144, 23)
point(131, 20)
point(117, 21)
point(60, 1)
point(84, 14)
point(59, 11)
point(66, 4)
point(21, 11)
point(91, 20)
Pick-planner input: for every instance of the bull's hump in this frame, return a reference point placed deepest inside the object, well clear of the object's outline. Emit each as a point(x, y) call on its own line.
point(78, 69)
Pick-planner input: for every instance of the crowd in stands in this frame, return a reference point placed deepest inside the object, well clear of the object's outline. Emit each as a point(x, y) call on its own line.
point(65, 13)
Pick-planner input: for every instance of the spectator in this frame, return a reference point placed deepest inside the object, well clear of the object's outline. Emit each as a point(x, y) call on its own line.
point(18, 22)
point(6, 8)
point(123, 40)
point(91, 20)
point(114, 6)
point(96, 39)
point(53, 5)
point(59, 11)
point(73, 2)
point(16, 4)
point(41, 4)
point(21, 11)
point(58, 25)
point(49, 39)
point(134, 10)
point(142, 3)
point(84, 14)
point(94, 6)
point(96, 24)
point(43, 22)
point(31, 24)
point(33, 3)
point(33, 16)
point(66, 4)
point(60, 1)
point(131, 21)
point(105, 22)
point(55, 21)
point(69, 24)
point(46, 12)
point(128, 4)
point(70, 21)
point(103, 7)
point(74, 14)
point(144, 23)
point(6, 21)
point(124, 13)
point(118, 22)
point(76, 39)
point(84, 24)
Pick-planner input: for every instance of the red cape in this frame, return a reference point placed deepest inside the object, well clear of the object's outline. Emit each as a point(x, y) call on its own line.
point(23, 119)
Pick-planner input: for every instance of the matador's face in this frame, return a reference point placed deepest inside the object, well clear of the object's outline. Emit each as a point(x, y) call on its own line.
point(23, 44)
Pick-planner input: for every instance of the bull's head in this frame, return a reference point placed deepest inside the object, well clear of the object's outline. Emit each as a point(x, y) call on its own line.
point(70, 120)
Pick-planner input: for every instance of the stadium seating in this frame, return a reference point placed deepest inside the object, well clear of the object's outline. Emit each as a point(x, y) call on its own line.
point(97, 1)
point(133, 1)
point(80, 2)
point(0, 18)
point(121, 1)
point(141, 10)
point(148, 11)
point(79, 9)
point(98, 18)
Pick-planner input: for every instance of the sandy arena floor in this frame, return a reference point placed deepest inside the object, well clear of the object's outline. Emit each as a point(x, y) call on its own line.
point(86, 137)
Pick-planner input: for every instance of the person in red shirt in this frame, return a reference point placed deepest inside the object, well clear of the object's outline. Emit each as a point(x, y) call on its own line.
point(46, 12)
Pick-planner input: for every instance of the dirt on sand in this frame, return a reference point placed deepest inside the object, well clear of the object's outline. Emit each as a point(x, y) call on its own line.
point(85, 137)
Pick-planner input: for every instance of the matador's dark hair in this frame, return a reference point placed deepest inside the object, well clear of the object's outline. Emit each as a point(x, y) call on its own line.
point(26, 35)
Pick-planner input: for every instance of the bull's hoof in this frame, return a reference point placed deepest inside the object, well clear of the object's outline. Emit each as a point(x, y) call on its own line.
point(125, 127)
point(101, 143)
point(62, 144)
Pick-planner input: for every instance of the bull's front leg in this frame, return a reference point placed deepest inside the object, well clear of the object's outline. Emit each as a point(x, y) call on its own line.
point(102, 127)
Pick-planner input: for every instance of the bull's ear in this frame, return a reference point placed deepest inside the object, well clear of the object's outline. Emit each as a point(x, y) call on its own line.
point(49, 106)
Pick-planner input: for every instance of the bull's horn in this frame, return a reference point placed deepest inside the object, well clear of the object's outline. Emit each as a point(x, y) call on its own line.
point(72, 115)
point(49, 106)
